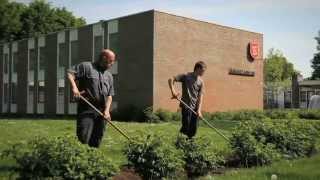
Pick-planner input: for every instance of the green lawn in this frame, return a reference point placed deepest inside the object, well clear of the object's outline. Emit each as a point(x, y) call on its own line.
point(13, 131)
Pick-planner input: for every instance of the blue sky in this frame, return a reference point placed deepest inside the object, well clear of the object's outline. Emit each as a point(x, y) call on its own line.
point(287, 25)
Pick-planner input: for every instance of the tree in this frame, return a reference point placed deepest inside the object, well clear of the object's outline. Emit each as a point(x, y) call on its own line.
point(315, 62)
point(10, 22)
point(277, 68)
point(39, 17)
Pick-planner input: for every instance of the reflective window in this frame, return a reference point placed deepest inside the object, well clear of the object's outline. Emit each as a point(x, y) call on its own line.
point(42, 58)
point(32, 59)
point(15, 62)
point(6, 93)
point(74, 52)
point(97, 46)
point(6, 63)
point(13, 93)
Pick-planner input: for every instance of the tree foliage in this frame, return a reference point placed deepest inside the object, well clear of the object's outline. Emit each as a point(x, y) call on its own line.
point(39, 17)
point(277, 68)
point(315, 62)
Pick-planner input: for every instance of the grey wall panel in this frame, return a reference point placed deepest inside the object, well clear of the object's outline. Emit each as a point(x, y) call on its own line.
point(67, 84)
point(22, 81)
point(85, 38)
point(1, 78)
point(136, 60)
point(51, 74)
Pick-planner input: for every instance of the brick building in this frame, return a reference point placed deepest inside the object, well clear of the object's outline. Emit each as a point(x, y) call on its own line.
point(151, 47)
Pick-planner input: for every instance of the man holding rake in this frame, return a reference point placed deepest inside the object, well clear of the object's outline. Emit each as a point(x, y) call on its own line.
point(96, 86)
point(192, 95)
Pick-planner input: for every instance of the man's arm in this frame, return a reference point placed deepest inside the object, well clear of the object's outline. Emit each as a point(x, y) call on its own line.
point(107, 109)
point(174, 93)
point(200, 101)
point(74, 87)
point(200, 105)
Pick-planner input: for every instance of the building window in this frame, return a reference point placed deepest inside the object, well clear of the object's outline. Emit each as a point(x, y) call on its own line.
point(97, 46)
point(303, 96)
point(32, 59)
point(15, 62)
point(6, 93)
point(62, 55)
point(6, 63)
point(41, 58)
point(62, 62)
point(74, 52)
point(114, 42)
point(13, 93)
point(41, 94)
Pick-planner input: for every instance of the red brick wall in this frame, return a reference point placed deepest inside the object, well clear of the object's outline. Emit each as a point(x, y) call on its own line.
point(179, 42)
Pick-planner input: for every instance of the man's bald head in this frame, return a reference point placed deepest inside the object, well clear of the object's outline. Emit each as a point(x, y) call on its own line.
point(107, 54)
point(107, 58)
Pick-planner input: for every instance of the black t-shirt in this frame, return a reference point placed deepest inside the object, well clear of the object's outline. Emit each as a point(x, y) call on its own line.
point(96, 83)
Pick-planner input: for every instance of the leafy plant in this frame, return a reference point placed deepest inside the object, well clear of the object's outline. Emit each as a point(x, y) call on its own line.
point(199, 156)
point(260, 142)
point(60, 157)
point(153, 157)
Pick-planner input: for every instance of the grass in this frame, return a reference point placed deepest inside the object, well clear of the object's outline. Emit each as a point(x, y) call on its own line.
point(13, 131)
point(302, 169)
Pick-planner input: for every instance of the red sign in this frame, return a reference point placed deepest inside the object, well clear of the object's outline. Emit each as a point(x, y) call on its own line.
point(254, 49)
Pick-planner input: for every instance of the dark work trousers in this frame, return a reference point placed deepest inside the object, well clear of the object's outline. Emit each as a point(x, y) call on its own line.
point(189, 122)
point(90, 128)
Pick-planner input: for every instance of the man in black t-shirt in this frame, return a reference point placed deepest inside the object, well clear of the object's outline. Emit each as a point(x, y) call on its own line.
point(192, 95)
point(96, 83)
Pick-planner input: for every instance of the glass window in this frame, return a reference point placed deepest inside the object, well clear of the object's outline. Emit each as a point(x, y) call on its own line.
point(6, 63)
point(62, 55)
point(114, 42)
point(15, 62)
point(13, 93)
point(303, 96)
point(41, 92)
point(74, 52)
point(6, 93)
point(42, 58)
point(32, 59)
point(97, 46)
point(30, 98)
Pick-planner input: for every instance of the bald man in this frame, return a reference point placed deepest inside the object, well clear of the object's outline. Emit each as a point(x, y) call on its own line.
point(95, 83)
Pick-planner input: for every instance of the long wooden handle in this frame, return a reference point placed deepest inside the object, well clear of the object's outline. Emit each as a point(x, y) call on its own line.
point(108, 120)
point(210, 125)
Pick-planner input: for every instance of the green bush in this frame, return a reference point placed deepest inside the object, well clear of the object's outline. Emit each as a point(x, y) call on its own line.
point(150, 116)
point(176, 116)
point(199, 156)
point(248, 115)
point(153, 157)
point(259, 142)
point(164, 115)
point(308, 114)
point(281, 114)
point(248, 151)
point(238, 115)
point(60, 158)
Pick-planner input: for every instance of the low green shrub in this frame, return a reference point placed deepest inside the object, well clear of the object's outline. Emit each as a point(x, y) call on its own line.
point(237, 115)
point(259, 142)
point(176, 116)
point(199, 156)
point(153, 157)
point(60, 158)
point(164, 115)
point(282, 114)
point(150, 116)
point(250, 152)
point(309, 114)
